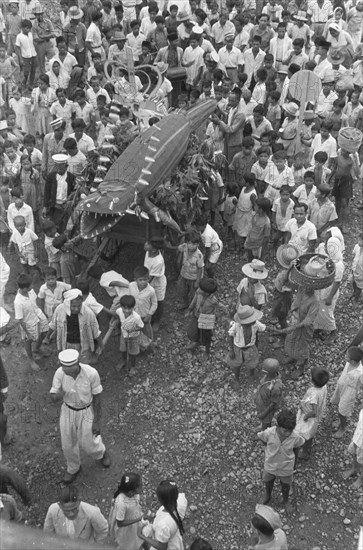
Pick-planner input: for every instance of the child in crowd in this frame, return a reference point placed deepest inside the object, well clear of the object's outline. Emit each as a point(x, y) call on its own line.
point(321, 171)
point(282, 447)
point(250, 290)
point(19, 208)
point(192, 266)
point(154, 262)
point(146, 301)
point(51, 292)
point(260, 169)
point(131, 327)
point(229, 210)
point(356, 449)
point(311, 410)
point(68, 260)
point(259, 233)
point(202, 312)
point(126, 512)
point(268, 528)
point(305, 193)
point(274, 110)
point(278, 174)
point(298, 169)
point(243, 342)
point(321, 210)
point(33, 323)
point(282, 212)
point(213, 245)
point(24, 240)
point(269, 395)
point(53, 253)
point(286, 254)
point(347, 389)
point(242, 162)
point(244, 208)
point(357, 269)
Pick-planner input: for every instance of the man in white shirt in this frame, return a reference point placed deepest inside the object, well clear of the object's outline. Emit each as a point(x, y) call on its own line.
point(77, 161)
point(84, 142)
point(301, 232)
point(322, 63)
point(231, 57)
point(26, 53)
point(94, 37)
point(221, 29)
point(135, 39)
point(253, 60)
point(319, 11)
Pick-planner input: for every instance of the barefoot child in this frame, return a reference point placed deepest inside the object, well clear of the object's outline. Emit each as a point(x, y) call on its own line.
point(33, 323)
point(356, 449)
point(269, 395)
point(131, 326)
point(250, 290)
point(282, 447)
point(126, 512)
point(259, 232)
point(154, 262)
point(54, 254)
point(347, 389)
point(242, 341)
point(244, 209)
point(23, 239)
point(192, 267)
point(146, 300)
point(311, 410)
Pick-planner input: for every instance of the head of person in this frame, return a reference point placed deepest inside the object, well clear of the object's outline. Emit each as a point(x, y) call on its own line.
point(58, 130)
point(43, 82)
point(300, 212)
point(248, 144)
point(268, 61)
point(194, 96)
point(49, 228)
point(183, 101)
point(24, 281)
point(83, 286)
point(298, 45)
point(127, 304)
point(261, 74)
point(256, 43)
point(354, 356)
point(25, 26)
point(192, 240)
point(279, 159)
point(17, 196)
point(78, 126)
point(281, 30)
point(13, 8)
point(250, 179)
point(325, 129)
point(95, 83)
point(2, 50)
point(70, 146)
point(130, 484)
point(263, 154)
point(59, 241)
point(321, 157)
point(223, 17)
point(10, 150)
point(285, 193)
point(200, 544)
point(61, 45)
point(265, 140)
point(286, 422)
point(258, 114)
point(263, 206)
point(96, 17)
point(263, 21)
point(141, 276)
point(208, 286)
point(309, 179)
point(160, 22)
point(298, 161)
point(319, 377)
point(152, 246)
point(50, 275)
point(69, 502)
point(338, 106)
point(135, 27)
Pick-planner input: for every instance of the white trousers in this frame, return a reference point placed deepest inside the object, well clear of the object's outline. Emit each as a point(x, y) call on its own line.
point(76, 434)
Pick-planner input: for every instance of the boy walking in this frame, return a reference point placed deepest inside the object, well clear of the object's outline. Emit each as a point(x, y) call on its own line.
point(282, 447)
point(131, 326)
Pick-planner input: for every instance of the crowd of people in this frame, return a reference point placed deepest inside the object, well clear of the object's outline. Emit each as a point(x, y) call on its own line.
point(71, 101)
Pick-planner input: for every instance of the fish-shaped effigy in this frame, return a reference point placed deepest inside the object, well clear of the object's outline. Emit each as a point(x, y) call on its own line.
point(146, 163)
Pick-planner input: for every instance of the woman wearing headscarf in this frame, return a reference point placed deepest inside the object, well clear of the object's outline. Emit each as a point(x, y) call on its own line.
point(341, 41)
point(333, 247)
point(58, 76)
point(337, 18)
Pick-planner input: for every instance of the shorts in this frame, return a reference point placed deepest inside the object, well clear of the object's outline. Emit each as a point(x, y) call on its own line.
point(214, 255)
point(247, 357)
point(28, 258)
point(356, 451)
point(266, 476)
point(34, 331)
point(131, 345)
point(342, 188)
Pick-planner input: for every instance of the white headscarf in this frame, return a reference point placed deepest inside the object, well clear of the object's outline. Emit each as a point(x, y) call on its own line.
point(335, 245)
point(68, 296)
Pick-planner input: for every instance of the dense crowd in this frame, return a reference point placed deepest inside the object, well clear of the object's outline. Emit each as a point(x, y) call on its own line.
point(77, 86)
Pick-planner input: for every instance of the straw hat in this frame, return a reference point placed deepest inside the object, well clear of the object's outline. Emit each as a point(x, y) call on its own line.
point(336, 58)
point(183, 16)
point(38, 10)
point(247, 314)
point(329, 77)
point(256, 269)
point(291, 108)
point(286, 254)
point(270, 515)
point(75, 13)
point(300, 16)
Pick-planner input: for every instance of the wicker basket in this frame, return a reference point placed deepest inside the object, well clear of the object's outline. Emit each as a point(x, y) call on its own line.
point(299, 278)
point(350, 139)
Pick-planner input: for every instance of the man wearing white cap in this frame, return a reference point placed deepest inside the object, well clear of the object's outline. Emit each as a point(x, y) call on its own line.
point(80, 387)
point(231, 57)
point(58, 186)
point(75, 324)
point(52, 144)
point(221, 28)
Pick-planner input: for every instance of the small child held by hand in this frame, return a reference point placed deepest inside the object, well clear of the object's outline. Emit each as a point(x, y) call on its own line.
point(269, 395)
point(131, 326)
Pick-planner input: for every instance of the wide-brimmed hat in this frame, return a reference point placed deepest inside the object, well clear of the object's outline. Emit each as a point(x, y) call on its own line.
point(75, 12)
point(183, 16)
point(329, 77)
point(291, 108)
point(118, 36)
point(270, 515)
point(314, 266)
point(38, 9)
point(163, 67)
point(68, 357)
point(286, 254)
point(335, 57)
point(246, 315)
point(255, 269)
point(300, 16)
